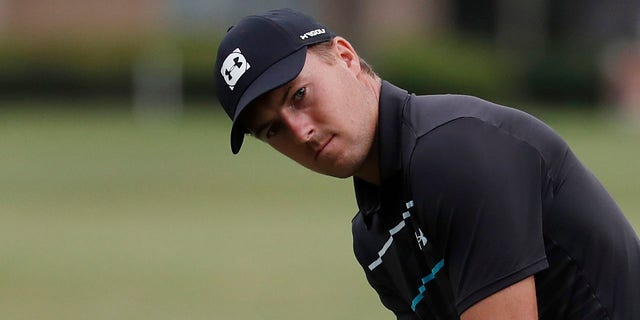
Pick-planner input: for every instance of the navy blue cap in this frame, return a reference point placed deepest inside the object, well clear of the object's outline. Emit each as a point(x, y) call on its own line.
point(261, 53)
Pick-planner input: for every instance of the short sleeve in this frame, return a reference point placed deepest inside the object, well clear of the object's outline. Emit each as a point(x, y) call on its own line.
point(477, 189)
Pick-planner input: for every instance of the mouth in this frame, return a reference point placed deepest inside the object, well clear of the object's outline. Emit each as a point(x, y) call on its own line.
point(324, 145)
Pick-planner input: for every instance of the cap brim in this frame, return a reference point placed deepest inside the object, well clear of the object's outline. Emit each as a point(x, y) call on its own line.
point(275, 76)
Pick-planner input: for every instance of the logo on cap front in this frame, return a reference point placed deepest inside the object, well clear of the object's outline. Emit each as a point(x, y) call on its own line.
point(233, 67)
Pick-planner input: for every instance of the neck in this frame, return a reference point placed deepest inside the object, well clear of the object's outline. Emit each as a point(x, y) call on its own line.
point(374, 83)
point(370, 169)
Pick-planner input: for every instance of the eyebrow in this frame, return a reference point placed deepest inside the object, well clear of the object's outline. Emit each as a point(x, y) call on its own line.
point(286, 94)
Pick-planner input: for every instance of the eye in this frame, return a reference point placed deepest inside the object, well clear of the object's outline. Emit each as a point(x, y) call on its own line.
point(272, 130)
point(299, 94)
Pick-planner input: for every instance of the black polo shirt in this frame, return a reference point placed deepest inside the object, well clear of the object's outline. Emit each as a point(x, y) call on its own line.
point(476, 197)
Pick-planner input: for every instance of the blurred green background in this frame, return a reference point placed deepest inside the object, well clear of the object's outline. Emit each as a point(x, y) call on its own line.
point(120, 199)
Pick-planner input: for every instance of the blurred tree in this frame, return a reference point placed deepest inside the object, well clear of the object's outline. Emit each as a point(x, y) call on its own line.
point(521, 26)
point(371, 24)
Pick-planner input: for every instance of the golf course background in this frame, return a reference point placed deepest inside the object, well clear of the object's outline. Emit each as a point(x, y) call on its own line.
point(120, 198)
point(105, 215)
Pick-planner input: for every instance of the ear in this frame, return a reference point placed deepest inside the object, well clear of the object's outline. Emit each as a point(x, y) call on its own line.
point(347, 54)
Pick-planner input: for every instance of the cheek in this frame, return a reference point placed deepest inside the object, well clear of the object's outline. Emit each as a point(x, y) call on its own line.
point(295, 152)
point(283, 147)
point(337, 107)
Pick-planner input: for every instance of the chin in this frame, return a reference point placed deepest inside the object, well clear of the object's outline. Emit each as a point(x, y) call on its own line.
point(340, 170)
point(344, 167)
point(332, 172)
point(341, 175)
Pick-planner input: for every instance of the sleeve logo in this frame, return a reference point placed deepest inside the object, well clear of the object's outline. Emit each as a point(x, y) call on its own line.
point(233, 67)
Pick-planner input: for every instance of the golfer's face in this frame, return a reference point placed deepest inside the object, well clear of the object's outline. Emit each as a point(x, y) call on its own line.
point(324, 119)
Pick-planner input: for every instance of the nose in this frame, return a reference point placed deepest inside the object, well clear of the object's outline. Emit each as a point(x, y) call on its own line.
point(300, 125)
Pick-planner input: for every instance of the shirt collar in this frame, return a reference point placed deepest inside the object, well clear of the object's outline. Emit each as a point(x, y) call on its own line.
point(371, 198)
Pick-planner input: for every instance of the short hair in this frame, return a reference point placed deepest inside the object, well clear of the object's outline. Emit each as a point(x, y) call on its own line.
point(324, 51)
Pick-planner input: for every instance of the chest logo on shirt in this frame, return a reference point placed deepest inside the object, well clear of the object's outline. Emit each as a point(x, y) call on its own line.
point(422, 240)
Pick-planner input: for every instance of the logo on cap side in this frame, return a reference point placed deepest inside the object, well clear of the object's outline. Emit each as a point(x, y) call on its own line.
point(233, 67)
point(312, 33)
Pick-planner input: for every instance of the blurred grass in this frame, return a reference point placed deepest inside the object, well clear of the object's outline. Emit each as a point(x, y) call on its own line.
point(105, 216)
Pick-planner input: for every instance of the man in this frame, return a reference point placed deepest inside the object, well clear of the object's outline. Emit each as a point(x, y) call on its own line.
point(467, 209)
